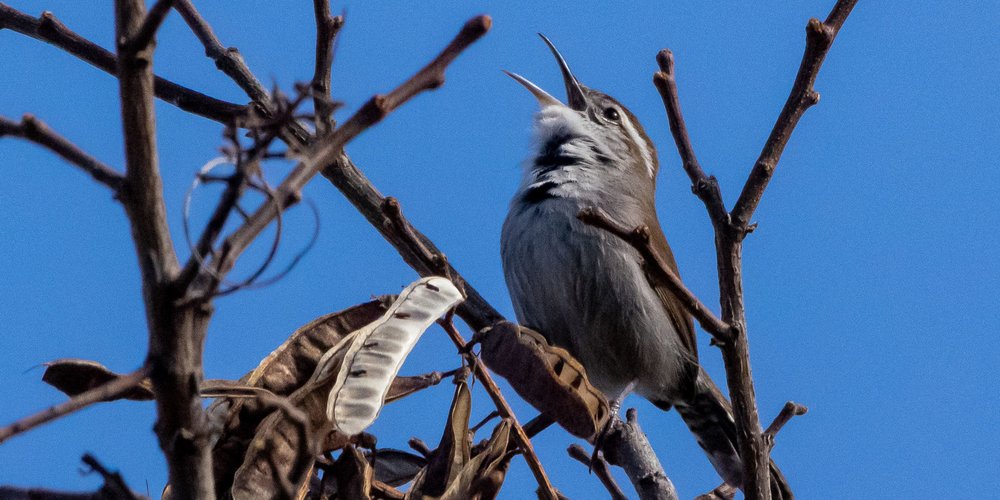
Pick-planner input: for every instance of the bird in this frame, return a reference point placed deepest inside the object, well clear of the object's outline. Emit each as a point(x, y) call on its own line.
point(586, 290)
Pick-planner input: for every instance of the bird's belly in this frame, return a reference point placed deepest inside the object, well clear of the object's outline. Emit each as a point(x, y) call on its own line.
point(585, 290)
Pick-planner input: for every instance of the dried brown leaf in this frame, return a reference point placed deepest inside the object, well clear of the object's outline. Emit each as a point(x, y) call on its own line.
point(454, 449)
point(354, 475)
point(547, 377)
point(397, 467)
point(283, 371)
point(277, 442)
point(74, 376)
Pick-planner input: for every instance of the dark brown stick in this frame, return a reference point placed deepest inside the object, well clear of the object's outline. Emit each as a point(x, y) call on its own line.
point(321, 155)
point(483, 375)
point(114, 484)
point(229, 59)
point(702, 185)
point(819, 38)
point(107, 392)
point(176, 334)
point(600, 468)
point(639, 239)
point(732, 227)
point(791, 409)
point(48, 29)
point(327, 28)
point(36, 131)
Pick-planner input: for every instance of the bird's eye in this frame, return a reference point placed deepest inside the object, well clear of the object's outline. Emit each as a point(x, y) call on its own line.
point(611, 114)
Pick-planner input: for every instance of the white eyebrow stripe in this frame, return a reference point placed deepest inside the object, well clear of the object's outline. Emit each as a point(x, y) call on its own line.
point(647, 156)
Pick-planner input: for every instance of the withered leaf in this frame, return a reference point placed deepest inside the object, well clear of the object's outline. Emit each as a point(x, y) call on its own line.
point(74, 376)
point(277, 441)
point(397, 467)
point(354, 475)
point(403, 386)
point(283, 371)
point(547, 377)
point(482, 475)
point(453, 451)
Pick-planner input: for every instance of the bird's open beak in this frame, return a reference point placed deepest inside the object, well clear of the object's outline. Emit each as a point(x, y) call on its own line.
point(544, 98)
point(574, 91)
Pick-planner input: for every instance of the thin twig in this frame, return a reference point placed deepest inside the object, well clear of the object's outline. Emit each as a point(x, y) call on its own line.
point(819, 38)
point(317, 157)
point(34, 130)
point(327, 28)
point(50, 30)
point(114, 484)
point(382, 490)
point(600, 468)
point(791, 409)
point(702, 185)
point(484, 377)
point(229, 59)
point(639, 239)
point(106, 392)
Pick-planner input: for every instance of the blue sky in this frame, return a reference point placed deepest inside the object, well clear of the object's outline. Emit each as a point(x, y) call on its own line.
point(871, 282)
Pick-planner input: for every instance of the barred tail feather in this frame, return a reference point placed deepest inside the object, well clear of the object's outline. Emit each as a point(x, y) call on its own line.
point(710, 418)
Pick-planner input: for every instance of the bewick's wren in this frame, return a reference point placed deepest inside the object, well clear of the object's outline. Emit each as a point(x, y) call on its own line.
point(585, 289)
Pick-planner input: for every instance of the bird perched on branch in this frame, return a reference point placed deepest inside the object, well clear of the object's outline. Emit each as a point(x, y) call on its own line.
point(585, 289)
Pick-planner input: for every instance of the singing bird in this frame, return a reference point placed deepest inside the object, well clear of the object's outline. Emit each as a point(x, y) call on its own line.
point(586, 290)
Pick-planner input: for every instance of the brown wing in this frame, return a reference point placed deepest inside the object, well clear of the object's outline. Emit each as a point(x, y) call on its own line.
point(680, 318)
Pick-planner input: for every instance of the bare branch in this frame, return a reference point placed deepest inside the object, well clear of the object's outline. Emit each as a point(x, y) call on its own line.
point(228, 60)
point(819, 38)
point(731, 229)
point(321, 155)
point(791, 409)
point(545, 487)
point(114, 485)
point(106, 392)
point(702, 185)
point(327, 28)
point(600, 468)
point(639, 239)
point(36, 131)
point(48, 29)
point(627, 447)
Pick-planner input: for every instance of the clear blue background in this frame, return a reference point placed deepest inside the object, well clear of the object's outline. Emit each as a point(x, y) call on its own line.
point(871, 282)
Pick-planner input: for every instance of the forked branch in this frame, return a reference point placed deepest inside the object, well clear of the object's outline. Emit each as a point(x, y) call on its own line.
point(317, 157)
point(819, 38)
point(48, 29)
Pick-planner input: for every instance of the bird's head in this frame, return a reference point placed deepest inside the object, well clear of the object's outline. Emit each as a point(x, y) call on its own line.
point(591, 134)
